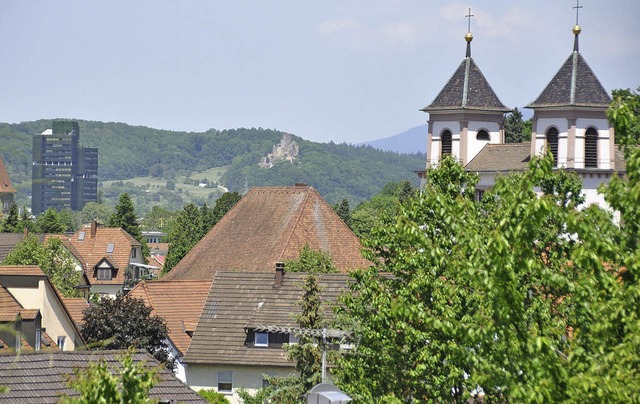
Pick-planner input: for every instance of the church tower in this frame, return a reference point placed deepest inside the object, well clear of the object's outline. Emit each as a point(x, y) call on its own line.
point(466, 115)
point(569, 117)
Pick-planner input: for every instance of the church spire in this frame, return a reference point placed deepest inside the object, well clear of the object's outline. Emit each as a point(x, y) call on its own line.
point(576, 28)
point(468, 36)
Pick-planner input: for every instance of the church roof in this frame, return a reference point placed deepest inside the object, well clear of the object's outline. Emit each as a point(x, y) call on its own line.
point(575, 84)
point(501, 157)
point(5, 182)
point(467, 89)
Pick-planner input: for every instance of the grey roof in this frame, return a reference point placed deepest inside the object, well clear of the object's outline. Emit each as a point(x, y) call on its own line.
point(575, 84)
point(8, 242)
point(516, 156)
point(467, 89)
point(501, 158)
point(246, 300)
point(41, 377)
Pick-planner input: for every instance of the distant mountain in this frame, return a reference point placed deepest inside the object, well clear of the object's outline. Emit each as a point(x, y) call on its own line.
point(410, 141)
point(125, 152)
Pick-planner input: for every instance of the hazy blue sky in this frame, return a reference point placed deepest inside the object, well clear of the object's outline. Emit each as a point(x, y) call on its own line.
point(343, 70)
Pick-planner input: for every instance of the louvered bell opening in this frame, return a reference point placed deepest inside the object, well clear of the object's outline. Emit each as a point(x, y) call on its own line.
point(446, 143)
point(552, 144)
point(591, 149)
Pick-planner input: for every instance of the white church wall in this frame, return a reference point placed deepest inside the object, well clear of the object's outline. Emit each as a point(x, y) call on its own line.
point(473, 145)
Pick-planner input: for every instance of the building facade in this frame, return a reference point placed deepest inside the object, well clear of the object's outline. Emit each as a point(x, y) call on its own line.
point(64, 174)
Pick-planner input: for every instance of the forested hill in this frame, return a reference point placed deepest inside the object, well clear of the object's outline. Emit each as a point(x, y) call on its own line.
point(125, 151)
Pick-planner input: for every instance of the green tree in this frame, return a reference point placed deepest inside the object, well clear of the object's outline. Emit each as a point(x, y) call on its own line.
point(124, 322)
point(25, 221)
point(184, 234)
point(516, 130)
point(224, 204)
point(344, 211)
point(125, 218)
point(311, 261)
point(99, 383)
point(96, 211)
point(54, 260)
point(506, 295)
point(158, 219)
point(50, 222)
point(213, 397)
point(12, 220)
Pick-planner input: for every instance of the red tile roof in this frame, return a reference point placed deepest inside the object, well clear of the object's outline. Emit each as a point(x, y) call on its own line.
point(91, 250)
point(270, 225)
point(21, 270)
point(76, 308)
point(178, 302)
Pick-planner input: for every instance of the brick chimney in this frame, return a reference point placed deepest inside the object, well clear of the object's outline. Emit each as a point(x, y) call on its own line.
point(94, 228)
point(279, 274)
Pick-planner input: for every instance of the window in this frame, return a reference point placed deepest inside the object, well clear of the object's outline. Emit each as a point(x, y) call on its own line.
point(104, 274)
point(81, 236)
point(38, 338)
point(479, 194)
point(110, 247)
point(261, 339)
point(446, 143)
point(61, 342)
point(552, 144)
point(225, 381)
point(133, 252)
point(483, 135)
point(293, 338)
point(591, 148)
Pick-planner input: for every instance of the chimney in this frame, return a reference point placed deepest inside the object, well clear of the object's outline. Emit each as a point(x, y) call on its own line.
point(279, 274)
point(94, 228)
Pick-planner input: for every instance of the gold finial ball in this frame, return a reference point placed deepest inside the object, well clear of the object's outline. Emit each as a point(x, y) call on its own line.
point(576, 29)
point(468, 37)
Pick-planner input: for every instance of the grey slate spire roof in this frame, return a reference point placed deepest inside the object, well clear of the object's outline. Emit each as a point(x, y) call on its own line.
point(575, 84)
point(467, 89)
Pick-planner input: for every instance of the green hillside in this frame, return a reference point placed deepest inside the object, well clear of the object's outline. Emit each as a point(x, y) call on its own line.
point(165, 167)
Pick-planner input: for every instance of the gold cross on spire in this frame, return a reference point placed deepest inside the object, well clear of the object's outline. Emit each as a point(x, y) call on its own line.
point(468, 16)
point(577, 7)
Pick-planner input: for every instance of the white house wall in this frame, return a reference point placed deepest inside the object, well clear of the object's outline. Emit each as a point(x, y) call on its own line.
point(250, 377)
point(54, 318)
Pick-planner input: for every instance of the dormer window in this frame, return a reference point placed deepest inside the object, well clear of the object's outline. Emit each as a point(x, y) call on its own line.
point(133, 253)
point(261, 339)
point(104, 274)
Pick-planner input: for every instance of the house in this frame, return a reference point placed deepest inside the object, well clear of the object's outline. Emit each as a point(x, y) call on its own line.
point(180, 304)
point(42, 377)
point(7, 191)
point(35, 310)
point(269, 225)
point(111, 257)
point(569, 119)
point(246, 319)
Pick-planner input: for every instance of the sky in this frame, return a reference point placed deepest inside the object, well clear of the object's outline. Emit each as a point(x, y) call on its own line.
point(325, 70)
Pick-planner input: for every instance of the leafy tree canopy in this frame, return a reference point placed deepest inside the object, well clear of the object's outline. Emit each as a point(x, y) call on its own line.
point(311, 261)
point(518, 297)
point(125, 218)
point(54, 260)
point(124, 322)
point(516, 129)
point(99, 383)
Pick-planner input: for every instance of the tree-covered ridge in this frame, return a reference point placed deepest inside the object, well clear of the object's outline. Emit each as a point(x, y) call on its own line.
point(336, 170)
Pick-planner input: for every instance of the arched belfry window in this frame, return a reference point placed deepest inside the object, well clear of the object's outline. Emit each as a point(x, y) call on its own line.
point(483, 135)
point(591, 148)
point(446, 142)
point(552, 144)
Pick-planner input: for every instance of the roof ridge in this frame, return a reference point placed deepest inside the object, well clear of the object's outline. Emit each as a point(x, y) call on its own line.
point(465, 86)
point(295, 221)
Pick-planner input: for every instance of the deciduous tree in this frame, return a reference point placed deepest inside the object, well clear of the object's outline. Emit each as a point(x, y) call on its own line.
point(125, 218)
point(54, 260)
point(124, 322)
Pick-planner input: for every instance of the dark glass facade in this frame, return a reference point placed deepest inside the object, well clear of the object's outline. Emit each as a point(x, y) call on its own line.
point(64, 174)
